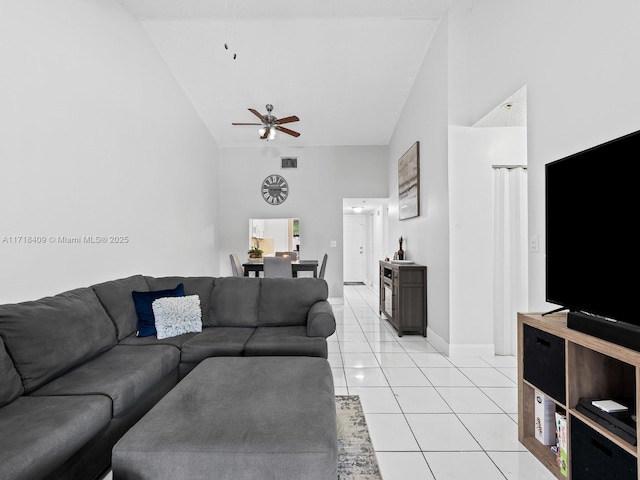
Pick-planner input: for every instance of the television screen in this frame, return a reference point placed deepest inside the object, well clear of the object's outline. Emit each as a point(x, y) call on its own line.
point(591, 206)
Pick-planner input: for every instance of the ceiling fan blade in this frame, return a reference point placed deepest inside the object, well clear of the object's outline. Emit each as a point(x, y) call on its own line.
point(265, 134)
point(258, 114)
point(246, 124)
point(290, 119)
point(287, 131)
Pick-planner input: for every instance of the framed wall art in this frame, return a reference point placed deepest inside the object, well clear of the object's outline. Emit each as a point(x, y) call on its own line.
point(409, 183)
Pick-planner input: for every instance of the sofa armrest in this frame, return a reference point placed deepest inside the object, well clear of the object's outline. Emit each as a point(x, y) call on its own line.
point(320, 320)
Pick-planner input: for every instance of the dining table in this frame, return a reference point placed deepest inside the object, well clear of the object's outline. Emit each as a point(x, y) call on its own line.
point(256, 266)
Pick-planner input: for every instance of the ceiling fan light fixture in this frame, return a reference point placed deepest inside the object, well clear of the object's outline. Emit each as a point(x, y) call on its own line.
point(269, 124)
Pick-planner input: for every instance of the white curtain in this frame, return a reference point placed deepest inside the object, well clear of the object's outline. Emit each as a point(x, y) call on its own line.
point(510, 255)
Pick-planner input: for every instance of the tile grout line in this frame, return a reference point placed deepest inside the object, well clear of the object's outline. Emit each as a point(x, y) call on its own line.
point(422, 452)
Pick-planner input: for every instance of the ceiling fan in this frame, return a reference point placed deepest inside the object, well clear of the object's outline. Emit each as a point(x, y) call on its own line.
point(270, 124)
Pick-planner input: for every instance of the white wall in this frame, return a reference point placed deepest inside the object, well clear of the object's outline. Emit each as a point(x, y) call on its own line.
point(378, 223)
point(578, 60)
point(426, 238)
point(324, 176)
point(96, 139)
point(472, 152)
point(581, 90)
point(471, 240)
point(278, 230)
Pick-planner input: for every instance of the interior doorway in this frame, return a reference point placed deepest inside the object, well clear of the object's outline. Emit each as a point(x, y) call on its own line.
point(371, 236)
point(510, 256)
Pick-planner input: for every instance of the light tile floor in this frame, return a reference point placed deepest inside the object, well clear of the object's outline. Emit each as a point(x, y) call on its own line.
point(430, 417)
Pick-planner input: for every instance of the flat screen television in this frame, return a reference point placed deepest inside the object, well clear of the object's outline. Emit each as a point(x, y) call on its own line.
point(591, 217)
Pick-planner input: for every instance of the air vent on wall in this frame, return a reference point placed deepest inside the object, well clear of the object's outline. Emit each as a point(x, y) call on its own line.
point(289, 162)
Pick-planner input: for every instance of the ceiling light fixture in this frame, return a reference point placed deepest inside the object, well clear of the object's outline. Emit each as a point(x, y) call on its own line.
point(357, 208)
point(269, 124)
point(267, 132)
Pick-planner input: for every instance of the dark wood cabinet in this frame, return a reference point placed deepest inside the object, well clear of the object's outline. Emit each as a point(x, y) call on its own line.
point(403, 296)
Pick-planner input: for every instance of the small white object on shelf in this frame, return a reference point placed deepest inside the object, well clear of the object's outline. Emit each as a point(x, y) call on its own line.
point(400, 262)
point(545, 412)
point(609, 406)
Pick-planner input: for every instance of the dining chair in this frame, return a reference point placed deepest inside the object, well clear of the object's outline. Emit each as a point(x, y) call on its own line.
point(277, 267)
point(323, 266)
point(236, 266)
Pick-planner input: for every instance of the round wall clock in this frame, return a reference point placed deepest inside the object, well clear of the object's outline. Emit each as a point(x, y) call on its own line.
point(274, 189)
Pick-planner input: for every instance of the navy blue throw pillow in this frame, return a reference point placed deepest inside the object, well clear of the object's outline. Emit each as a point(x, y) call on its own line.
point(143, 302)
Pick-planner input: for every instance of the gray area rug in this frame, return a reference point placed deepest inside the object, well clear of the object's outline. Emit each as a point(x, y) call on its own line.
point(356, 456)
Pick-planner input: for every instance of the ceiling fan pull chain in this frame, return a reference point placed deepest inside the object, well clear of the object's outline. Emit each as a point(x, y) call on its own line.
point(235, 3)
point(226, 24)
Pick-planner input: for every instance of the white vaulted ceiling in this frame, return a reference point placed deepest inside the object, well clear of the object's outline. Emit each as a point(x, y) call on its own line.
point(344, 67)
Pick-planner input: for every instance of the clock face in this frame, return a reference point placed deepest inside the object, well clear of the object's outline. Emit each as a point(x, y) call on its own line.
point(274, 189)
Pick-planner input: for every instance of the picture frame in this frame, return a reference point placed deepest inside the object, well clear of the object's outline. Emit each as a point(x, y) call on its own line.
point(409, 183)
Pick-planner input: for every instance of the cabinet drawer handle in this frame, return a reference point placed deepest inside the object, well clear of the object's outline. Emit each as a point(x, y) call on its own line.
point(543, 342)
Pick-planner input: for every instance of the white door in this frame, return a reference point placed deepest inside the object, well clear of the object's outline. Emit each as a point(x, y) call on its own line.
point(353, 253)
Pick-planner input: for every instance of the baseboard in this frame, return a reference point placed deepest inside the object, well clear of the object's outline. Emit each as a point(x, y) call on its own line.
point(471, 350)
point(336, 300)
point(459, 350)
point(437, 341)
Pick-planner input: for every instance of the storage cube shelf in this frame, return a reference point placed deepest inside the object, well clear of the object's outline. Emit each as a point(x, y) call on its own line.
point(567, 365)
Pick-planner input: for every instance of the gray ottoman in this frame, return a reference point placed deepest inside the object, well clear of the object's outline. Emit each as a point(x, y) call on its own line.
point(238, 418)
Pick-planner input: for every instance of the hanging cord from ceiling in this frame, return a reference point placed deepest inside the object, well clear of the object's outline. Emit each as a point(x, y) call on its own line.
point(226, 26)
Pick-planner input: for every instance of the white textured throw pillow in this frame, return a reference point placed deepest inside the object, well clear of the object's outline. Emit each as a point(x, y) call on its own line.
point(177, 315)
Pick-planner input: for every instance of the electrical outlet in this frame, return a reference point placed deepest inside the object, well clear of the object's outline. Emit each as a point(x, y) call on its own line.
point(534, 244)
point(333, 244)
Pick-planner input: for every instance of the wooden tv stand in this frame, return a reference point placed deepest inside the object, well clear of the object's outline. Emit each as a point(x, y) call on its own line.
point(592, 368)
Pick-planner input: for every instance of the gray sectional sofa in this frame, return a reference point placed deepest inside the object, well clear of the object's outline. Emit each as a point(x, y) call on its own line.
point(75, 376)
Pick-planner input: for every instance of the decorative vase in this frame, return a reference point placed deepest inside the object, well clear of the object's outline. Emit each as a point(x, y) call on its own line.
point(400, 251)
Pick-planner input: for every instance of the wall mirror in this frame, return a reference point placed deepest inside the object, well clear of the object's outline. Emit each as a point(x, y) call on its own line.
point(274, 235)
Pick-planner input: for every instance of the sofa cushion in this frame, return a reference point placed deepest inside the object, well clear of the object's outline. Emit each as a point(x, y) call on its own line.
point(201, 286)
point(144, 301)
point(285, 341)
point(178, 341)
point(47, 337)
point(216, 342)
point(115, 296)
point(10, 382)
point(124, 374)
point(286, 301)
point(234, 302)
point(177, 315)
point(40, 433)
